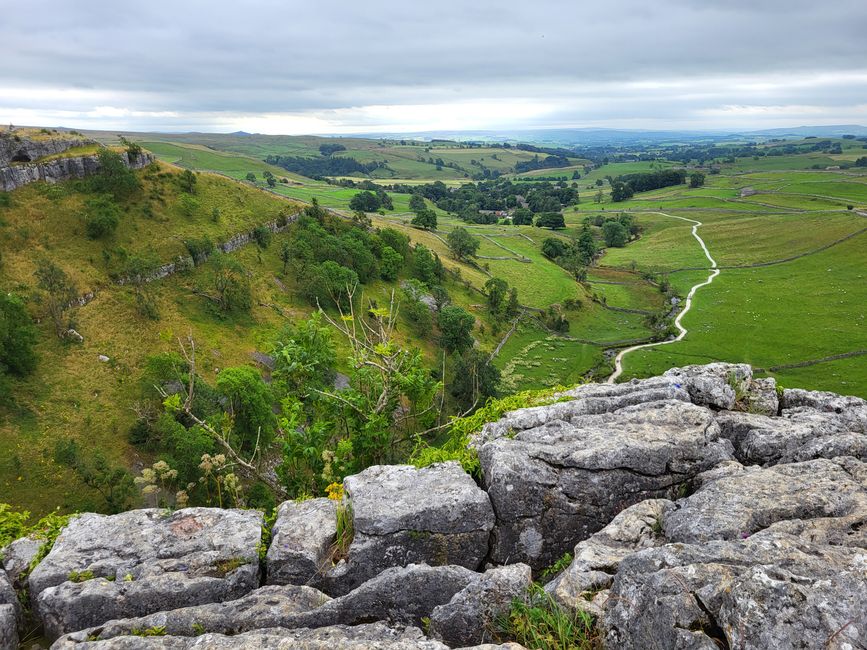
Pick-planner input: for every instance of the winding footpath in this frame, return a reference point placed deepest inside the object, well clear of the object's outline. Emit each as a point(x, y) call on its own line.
point(618, 360)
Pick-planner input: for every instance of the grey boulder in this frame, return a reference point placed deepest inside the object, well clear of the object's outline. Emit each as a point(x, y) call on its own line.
point(772, 590)
point(584, 584)
point(144, 561)
point(17, 557)
point(717, 385)
point(734, 502)
point(302, 542)
point(402, 515)
point(557, 484)
point(470, 617)
point(263, 608)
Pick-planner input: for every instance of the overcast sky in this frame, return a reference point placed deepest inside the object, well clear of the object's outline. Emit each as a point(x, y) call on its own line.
point(323, 66)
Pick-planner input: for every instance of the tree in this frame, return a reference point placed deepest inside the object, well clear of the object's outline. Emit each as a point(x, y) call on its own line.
point(426, 219)
point(416, 202)
point(861, 162)
point(462, 244)
point(553, 220)
point(512, 305)
point(272, 182)
point(138, 271)
point(553, 247)
point(522, 217)
point(187, 180)
point(231, 285)
point(496, 289)
point(60, 293)
point(133, 149)
point(365, 202)
point(248, 404)
point(304, 357)
point(335, 282)
point(251, 177)
point(102, 215)
point(427, 266)
point(475, 379)
point(456, 326)
point(285, 254)
point(696, 179)
point(17, 337)
point(615, 234)
point(620, 191)
point(390, 263)
point(586, 245)
point(113, 177)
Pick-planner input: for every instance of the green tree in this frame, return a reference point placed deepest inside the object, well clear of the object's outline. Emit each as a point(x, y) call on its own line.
point(272, 182)
point(551, 220)
point(101, 217)
point(365, 202)
point(248, 403)
point(138, 273)
point(416, 203)
point(285, 254)
point(512, 304)
point(251, 177)
point(522, 217)
point(615, 234)
point(426, 219)
point(60, 292)
point(187, 180)
point(496, 289)
point(696, 179)
point(390, 263)
point(427, 266)
point(461, 243)
point(304, 357)
point(475, 379)
point(620, 191)
point(17, 337)
point(456, 326)
point(231, 285)
point(113, 177)
point(553, 247)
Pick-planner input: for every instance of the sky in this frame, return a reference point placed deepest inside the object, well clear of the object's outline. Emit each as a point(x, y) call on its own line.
point(329, 67)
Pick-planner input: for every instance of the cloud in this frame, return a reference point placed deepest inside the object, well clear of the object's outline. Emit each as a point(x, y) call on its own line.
point(276, 66)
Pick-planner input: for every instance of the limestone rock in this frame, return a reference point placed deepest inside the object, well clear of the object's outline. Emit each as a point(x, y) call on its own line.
point(16, 558)
point(556, 484)
point(372, 636)
point(8, 627)
point(263, 608)
point(471, 614)
point(715, 385)
point(404, 515)
point(850, 410)
point(399, 596)
point(772, 590)
point(144, 561)
point(585, 582)
point(762, 396)
point(588, 399)
point(735, 501)
point(803, 435)
point(301, 542)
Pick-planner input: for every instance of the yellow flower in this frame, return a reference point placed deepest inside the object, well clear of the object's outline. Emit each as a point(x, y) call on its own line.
point(335, 491)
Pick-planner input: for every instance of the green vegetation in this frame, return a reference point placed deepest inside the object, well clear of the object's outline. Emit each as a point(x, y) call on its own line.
point(540, 623)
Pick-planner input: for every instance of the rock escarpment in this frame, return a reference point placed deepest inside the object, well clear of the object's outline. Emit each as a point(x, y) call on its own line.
point(26, 160)
point(703, 509)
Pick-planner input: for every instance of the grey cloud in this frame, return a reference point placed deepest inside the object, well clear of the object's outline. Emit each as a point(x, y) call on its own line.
point(212, 57)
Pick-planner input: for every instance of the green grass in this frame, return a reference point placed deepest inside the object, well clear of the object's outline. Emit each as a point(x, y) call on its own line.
point(532, 358)
point(788, 313)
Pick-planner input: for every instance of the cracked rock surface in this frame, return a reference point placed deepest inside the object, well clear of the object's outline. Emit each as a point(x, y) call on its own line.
point(403, 515)
point(144, 561)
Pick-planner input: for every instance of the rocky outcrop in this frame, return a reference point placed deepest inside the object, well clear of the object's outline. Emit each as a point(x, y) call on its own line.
point(62, 169)
point(471, 616)
point(302, 542)
point(558, 483)
point(401, 515)
point(22, 147)
point(10, 613)
point(144, 561)
point(703, 508)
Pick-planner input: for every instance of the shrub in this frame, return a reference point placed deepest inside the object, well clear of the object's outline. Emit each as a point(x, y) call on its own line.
point(101, 217)
point(262, 236)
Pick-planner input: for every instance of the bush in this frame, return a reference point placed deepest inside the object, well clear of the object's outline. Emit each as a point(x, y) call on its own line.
point(262, 236)
point(542, 624)
point(17, 337)
point(114, 177)
point(101, 217)
point(199, 249)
